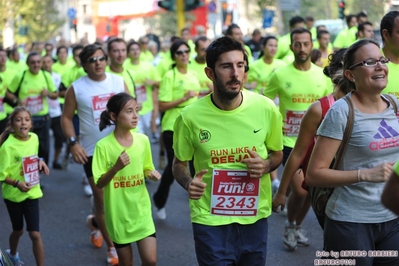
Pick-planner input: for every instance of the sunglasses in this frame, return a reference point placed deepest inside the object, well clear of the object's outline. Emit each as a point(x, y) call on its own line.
point(95, 59)
point(181, 52)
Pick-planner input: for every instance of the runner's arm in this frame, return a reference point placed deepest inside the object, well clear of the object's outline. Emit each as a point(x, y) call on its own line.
point(68, 113)
point(390, 195)
point(195, 186)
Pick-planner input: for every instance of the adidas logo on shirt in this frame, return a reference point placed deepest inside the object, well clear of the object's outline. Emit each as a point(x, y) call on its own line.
point(387, 135)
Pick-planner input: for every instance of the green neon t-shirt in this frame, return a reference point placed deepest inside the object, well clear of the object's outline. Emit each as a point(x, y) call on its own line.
point(202, 77)
point(260, 73)
point(297, 90)
point(61, 69)
point(146, 56)
point(173, 87)
point(165, 65)
point(12, 153)
point(17, 67)
point(128, 77)
point(142, 72)
point(283, 46)
point(5, 80)
point(393, 80)
point(72, 75)
point(219, 140)
point(127, 204)
point(31, 89)
point(396, 168)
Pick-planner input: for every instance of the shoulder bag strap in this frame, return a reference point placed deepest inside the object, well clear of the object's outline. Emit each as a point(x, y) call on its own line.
point(393, 103)
point(347, 132)
point(134, 84)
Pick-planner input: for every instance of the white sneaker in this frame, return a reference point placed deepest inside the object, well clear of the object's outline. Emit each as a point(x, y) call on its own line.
point(65, 163)
point(88, 190)
point(161, 213)
point(275, 185)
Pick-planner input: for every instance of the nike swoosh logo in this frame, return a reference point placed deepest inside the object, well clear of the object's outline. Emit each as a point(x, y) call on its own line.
point(256, 131)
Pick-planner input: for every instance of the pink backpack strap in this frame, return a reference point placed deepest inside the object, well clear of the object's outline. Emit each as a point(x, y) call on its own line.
point(326, 102)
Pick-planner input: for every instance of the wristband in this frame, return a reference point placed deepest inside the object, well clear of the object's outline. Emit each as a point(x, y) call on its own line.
point(15, 183)
point(41, 159)
point(358, 175)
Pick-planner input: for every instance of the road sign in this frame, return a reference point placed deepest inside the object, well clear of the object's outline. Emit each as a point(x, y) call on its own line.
point(290, 5)
point(71, 13)
point(212, 7)
point(268, 16)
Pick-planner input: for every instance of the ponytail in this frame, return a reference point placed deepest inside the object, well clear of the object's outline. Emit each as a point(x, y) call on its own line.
point(5, 134)
point(105, 120)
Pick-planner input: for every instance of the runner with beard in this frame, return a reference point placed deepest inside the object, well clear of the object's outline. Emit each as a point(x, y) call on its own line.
point(298, 85)
point(229, 228)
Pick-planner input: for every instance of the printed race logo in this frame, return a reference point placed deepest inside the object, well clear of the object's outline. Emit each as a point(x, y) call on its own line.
point(386, 137)
point(204, 136)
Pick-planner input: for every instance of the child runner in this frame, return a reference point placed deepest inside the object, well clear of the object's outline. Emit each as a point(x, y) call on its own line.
point(120, 162)
point(19, 174)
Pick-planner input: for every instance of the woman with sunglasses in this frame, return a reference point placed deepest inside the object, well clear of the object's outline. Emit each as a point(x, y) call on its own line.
point(179, 87)
point(355, 219)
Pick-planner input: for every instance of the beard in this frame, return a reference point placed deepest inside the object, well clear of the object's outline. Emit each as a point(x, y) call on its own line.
point(223, 93)
point(300, 59)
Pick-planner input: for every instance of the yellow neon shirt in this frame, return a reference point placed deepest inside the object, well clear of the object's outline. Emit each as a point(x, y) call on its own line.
point(297, 90)
point(142, 72)
point(202, 77)
point(31, 88)
point(173, 87)
point(127, 204)
point(218, 139)
point(6, 77)
point(260, 72)
point(12, 151)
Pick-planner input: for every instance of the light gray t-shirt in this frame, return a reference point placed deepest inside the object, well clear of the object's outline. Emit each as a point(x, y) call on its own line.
point(92, 98)
point(374, 140)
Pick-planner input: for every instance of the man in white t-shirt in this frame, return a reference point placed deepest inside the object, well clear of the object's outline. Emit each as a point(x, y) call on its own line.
point(89, 96)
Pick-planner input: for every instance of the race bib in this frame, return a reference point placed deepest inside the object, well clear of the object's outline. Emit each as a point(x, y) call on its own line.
point(99, 104)
point(34, 104)
point(141, 93)
point(293, 122)
point(30, 167)
point(1, 105)
point(53, 104)
point(234, 193)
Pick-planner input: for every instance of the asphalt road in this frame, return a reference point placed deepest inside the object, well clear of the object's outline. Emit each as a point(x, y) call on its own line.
point(64, 208)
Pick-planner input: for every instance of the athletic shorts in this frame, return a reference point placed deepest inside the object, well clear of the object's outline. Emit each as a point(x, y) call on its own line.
point(28, 209)
point(87, 167)
point(232, 244)
point(369, 237)
point(128, 244)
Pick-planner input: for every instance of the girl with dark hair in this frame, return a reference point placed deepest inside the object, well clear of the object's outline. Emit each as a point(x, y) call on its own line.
point(179, 87)
point(121, 161)
point(19, 174)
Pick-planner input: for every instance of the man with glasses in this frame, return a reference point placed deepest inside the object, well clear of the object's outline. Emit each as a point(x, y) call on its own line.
point(389, 27)
point(89, 96)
